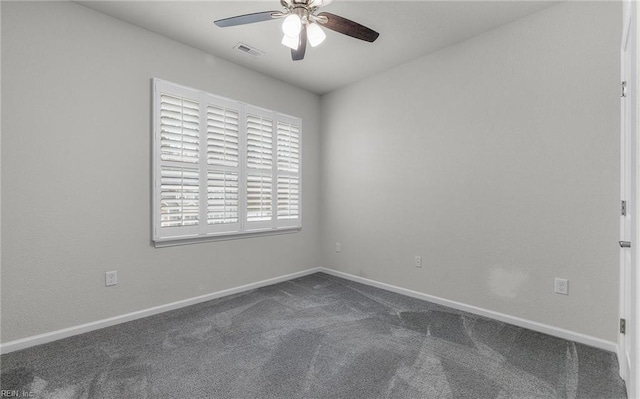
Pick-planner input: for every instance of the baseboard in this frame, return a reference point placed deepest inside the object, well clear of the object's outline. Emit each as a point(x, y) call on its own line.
point(28, 342)
point(531, 325)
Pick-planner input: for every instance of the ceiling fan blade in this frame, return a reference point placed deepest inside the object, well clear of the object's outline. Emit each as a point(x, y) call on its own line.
point(348, 27)
point(248, 18)
point(298, 54)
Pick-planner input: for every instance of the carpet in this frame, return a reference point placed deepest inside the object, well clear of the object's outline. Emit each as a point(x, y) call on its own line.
point(317, 336)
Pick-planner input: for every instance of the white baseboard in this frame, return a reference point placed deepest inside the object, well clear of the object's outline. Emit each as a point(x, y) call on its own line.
point(28, 342)
point(531, 325)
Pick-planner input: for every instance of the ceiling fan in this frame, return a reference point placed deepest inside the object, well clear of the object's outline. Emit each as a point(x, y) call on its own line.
point(302, 23)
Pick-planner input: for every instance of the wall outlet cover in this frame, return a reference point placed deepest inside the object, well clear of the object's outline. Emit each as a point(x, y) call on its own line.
point(110, 278)
point(561, 286)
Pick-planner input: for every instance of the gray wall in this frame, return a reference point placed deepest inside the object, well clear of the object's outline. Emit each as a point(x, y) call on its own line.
point(497, 161)
point(76, 171)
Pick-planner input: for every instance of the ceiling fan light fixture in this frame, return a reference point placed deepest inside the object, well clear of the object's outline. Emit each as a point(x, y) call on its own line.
point(292, 25)
point(315, 34)
point(291, 42)
point(302, 24)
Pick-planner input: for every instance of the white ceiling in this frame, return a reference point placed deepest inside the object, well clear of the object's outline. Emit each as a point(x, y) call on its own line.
point(408, 30)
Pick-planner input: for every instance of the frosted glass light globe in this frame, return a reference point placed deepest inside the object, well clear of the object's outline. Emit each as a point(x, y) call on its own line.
point(315, 34)
point(291, 42)
point(292, 25)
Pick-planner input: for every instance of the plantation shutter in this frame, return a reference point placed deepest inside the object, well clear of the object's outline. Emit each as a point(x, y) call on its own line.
point(259, 185)
point(223, 165)
point(178, 139)
point(288, 172)
point(221, 168)
point(180, 193)
point(288, 147)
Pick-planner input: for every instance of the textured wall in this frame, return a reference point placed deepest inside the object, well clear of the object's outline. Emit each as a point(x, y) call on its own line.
point(497, 161)
point(76, 135)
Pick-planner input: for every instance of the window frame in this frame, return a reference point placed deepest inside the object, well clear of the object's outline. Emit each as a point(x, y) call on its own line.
point(204, 231)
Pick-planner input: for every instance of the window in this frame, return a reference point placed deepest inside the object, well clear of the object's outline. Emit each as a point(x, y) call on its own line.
point(222, 168)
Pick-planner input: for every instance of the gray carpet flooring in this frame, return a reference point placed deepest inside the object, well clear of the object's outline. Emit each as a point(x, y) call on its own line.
point(314, 337)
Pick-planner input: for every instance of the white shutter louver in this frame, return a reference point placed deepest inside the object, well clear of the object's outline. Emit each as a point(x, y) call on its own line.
point(179, 183)
point(288, 146)
point(259, 162)
point(222, 197)
point(180, 197)
point(259, 142)
point(179, 129)
point(288, 173)
point(223, 162)
point(259, 198)
point(288, 197)
point(222, 136)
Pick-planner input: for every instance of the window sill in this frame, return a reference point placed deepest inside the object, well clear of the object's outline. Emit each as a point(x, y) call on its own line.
point(172, 242)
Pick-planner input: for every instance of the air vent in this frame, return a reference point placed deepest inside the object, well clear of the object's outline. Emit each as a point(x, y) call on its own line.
point(245, 48)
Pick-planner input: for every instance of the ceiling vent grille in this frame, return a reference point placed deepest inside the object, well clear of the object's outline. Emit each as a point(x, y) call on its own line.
point(245, 48)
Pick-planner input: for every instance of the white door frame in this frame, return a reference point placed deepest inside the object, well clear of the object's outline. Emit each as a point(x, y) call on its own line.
point(630, 223)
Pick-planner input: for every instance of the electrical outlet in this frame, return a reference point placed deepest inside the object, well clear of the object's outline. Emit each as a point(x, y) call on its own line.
point(110, 278)
point(562, 286)
point(338, 247)
point(417, 261)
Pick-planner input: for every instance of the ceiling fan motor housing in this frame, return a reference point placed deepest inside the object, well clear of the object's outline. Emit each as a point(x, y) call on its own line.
point(307, 3)
point(302, 12)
